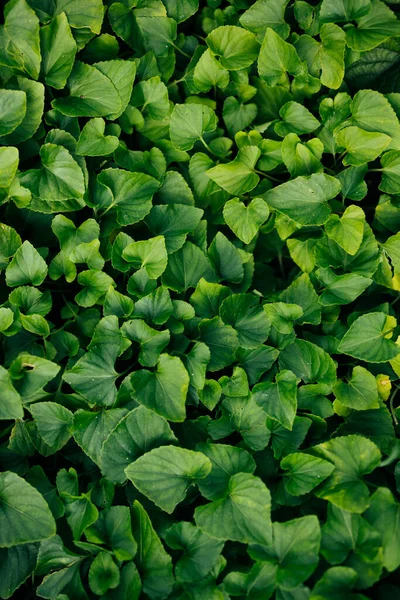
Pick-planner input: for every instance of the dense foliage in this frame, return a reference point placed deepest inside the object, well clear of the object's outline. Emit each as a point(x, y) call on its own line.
point(200, 264)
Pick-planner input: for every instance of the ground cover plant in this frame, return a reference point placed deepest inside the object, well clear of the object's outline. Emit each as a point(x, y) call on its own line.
point(200, 269)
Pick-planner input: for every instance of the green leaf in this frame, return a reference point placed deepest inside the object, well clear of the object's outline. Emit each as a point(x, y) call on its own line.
point(154, 563)
point(150, 255)
point(91, 429)
point(188, 124)
point(164, 390)
point(92, 94)
point(221, 339)
point(301, 292)
point(282, 315)
point(347, 231)
point(186, 267)
point(11, 405)
point(93, 142)
point(238, 176)
point(174, 222)
point(225, 259)
point(152, 342)
point(304, 472)
point(12, 110)
point(207, 298)
point(103, 574)
point(361, 146)
point(371, 111)
point(243, 220)
point(309, 362)
point(390, 162)
point(277, 58)
point(138, 432)
point(24, 514)
point(54, 423)
point(348, 538)
point(367, 339)
point(152, 96)
point(305, 199)
point(243, 515)
point(373, 28)
point(199, 551)
point(279, 399)
point(58, 51)
point(121, 73)
point(332, 55)
point(293, 552)
point(335, 11)
point(27, 266)
point(127, 194)
point(235, 47)
point(301, 159)
point(360, 392)
point(264, 14)
point(34, 93)
point(164, 474)
point(90, 15)
point(31, 373)
point(17, 563)
point(383, 516)
point(226, 461)
point(341, 289)
point(58, 185)
point(21, 27)
point(113, 528)
point(209, 73)
point(295, 119)
point(353, 456)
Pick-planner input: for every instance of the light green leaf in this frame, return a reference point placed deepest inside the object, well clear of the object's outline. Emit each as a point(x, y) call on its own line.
point(34, 93)
point(347, 231)
point(127, 194)
point(12, 110)
point(93, 142)
point(360, 392)
point(122, 74)
point(91, 429)
point(305, 199)
point(58, 185)
point(81, 15)
point(279, 399)
point(188, 124)
point(225, 259)
point(379, 24)
point(332, 55)
point(150, 255)
point(9, 157)
point(371, 111)
point(299, 158)
point(209, 73)
point(243, 220)
point(264, 14)
point(92, 94)
point(353, 457)
point(277, 58)
point(341, 289)
point(361, 146)
point(305, 472)
point(138, 432)
point(221, 339)
point(10, 405)
point(164, 474)
point(152, 96)
point(390, 162)
point(301, 292)
point(164, 390)
point(367, 338)
point(238, 176)
point(24, 514)
point(21, 26)
point(31, 373)
point(27, 266)
point(282, 315)
point(296, 118)
point(58, 51)
point(243, 515)
point(235, 47)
